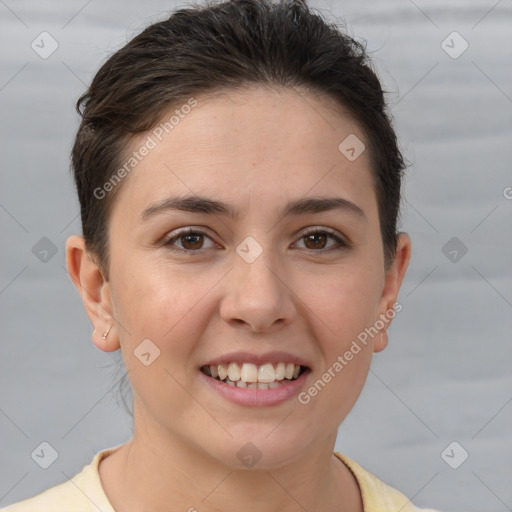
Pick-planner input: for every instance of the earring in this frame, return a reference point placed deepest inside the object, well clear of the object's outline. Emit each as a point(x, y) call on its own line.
point(106, 334)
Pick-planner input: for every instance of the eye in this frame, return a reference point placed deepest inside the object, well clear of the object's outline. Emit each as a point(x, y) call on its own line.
point(191, 240)
point(316, 240)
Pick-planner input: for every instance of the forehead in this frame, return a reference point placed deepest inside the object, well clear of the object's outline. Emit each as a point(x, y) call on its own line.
point(256, 144)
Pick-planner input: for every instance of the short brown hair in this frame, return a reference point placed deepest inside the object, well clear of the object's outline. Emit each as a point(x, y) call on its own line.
point(220, 46)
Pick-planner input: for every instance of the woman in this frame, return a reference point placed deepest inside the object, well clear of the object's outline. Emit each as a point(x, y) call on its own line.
point(239, 183)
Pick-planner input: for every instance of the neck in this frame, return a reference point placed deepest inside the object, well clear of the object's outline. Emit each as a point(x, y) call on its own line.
point(151, 472)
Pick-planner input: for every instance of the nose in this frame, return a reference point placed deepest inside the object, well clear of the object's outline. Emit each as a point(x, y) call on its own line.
point(257, 295)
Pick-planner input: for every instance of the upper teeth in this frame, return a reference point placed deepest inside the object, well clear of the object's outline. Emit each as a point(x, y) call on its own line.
point(248, 372)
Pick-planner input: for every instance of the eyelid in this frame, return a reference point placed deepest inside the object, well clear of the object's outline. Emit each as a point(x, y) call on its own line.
point(341, 240)
point(176, 234)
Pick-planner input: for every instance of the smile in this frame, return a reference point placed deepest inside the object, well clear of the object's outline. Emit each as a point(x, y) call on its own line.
point(252, 376)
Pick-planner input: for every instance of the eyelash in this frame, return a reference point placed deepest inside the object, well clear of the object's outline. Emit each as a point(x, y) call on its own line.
point(168, 242)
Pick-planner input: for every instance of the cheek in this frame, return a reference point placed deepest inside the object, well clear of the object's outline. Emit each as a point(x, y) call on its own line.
point(344, 302)
point(344, 299)
point(342, 311)
point(164, 304)
point(169, 308)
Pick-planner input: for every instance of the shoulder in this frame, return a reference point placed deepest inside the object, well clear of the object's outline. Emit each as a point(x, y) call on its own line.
point(64, 496)
point(378, 496)
point(82, 493)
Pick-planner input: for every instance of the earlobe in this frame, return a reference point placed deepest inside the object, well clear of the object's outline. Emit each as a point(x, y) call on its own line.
point(104, 337)
point(392, 282)
point(381, 341)
point(106, 341)
point(94, 290)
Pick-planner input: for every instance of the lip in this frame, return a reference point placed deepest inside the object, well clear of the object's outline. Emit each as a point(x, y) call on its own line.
point(257, 397)
point(268, 357)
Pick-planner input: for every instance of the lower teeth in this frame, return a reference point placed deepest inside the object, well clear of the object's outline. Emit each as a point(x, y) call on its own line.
point(255, 385)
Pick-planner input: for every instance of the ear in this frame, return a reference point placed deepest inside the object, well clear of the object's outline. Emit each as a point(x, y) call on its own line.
point(95, 291)
point(392, 283)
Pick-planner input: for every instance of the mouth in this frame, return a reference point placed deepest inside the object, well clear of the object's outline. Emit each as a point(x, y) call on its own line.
point(254, 376)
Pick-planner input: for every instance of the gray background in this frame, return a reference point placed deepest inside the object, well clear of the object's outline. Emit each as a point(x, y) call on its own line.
point(446, 375)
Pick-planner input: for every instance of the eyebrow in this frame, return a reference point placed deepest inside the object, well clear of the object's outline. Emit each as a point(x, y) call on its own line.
point(200, 204)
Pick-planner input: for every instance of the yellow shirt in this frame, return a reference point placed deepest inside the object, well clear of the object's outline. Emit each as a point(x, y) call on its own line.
point(84, 493)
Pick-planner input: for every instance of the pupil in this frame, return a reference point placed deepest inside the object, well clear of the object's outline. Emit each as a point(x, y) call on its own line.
point(192, 240)
point(314, 237)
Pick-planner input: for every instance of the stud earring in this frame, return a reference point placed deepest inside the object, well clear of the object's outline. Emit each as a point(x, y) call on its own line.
point(106, 334)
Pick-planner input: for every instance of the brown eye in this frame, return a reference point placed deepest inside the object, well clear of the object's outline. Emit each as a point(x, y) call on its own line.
point(318, 241)
point(192, 241)
point(189, 241)
point(315, 241)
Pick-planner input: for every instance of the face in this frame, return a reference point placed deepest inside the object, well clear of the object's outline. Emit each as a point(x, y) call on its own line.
point(274, 262)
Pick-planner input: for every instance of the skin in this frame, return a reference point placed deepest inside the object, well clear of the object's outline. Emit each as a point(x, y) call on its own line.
point(255, 149)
